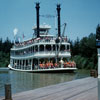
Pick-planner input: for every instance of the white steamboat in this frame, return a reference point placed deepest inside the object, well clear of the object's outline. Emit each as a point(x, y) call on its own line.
point(44, 53)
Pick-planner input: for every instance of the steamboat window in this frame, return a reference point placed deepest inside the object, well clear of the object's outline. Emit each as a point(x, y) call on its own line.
point(18, 62)
point(67, 47)
point(29, 50)
point(32, 49)
point(54, 47)
point(62, 47)
point(41, 48)
point(36, 48)
point(48, 47)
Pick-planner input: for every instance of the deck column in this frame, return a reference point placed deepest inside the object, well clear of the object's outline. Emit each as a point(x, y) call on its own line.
point(28, 63)
point(66, 47)
point(38, 49)
point(38, 63)
point(31, 63)
point(51, 48)
point(17, 63)
point(13, 62)
point(25, 63)
point(44, 48)
point(21, 64)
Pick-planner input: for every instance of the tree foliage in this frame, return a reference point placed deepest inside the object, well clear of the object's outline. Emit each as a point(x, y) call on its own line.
point(5, 52)
point(86, 51)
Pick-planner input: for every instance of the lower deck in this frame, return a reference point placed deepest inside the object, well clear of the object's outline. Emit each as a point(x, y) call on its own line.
point(42, 64)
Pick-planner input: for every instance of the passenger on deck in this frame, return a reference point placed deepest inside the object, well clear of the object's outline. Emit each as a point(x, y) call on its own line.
point(52, 66)
point(61, 62)
point(55, 65)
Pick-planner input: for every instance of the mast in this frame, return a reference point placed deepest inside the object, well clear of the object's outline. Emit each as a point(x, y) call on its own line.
point(37, 17)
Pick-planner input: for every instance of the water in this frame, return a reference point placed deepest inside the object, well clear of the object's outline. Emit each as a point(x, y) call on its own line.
point(23, 81)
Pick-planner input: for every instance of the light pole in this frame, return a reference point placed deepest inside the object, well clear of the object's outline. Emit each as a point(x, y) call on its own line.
point(98, 50)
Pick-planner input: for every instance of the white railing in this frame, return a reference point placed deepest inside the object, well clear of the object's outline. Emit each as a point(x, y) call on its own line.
point(30, 42)
point(43, 54)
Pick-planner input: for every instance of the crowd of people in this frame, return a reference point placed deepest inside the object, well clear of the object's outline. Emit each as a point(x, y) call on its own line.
point(36, 40)
point(33, 40)
point(47, 65)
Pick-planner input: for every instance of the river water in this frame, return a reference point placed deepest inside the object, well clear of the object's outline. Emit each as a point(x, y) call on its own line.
point(23, 81)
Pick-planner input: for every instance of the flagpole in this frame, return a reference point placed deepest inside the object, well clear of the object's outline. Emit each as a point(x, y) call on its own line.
point(23, 36)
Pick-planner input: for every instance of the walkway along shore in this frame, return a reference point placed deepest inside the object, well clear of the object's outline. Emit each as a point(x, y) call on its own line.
point(80, 89)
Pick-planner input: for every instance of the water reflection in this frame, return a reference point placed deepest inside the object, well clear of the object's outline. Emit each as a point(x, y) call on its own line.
point(22, 81)
point(27, 81)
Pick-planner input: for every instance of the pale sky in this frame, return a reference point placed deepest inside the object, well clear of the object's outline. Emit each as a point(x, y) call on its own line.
point(81, 16)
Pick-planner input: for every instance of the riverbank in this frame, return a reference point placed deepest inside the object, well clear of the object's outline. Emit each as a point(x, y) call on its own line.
point(80, 89)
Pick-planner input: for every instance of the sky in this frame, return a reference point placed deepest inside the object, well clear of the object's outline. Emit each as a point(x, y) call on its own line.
point(81, 16)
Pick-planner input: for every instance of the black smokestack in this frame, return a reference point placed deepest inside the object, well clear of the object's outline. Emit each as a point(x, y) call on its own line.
point(37, 16)
point(58, 15)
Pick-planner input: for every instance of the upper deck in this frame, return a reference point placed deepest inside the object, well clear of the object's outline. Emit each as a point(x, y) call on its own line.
point(44, 38)
point(38, 41)
point(42, 46)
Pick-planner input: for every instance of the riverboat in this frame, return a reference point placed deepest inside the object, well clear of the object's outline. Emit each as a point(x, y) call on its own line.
point(44, 52)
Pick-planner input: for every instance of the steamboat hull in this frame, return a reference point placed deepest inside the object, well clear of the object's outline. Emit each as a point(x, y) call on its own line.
point(53, 70)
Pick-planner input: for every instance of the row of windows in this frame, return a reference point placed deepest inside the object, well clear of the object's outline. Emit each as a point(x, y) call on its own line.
point(41, 48)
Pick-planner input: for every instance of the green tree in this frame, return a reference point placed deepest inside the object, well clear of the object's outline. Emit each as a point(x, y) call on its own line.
point(98, 32)
point(76, 47)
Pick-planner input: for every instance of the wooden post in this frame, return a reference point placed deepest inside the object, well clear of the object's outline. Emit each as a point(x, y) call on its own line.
point(8, 95)
point(94, 73)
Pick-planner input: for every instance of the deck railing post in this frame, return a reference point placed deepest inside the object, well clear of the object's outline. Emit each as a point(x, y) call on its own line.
point(8, 94)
